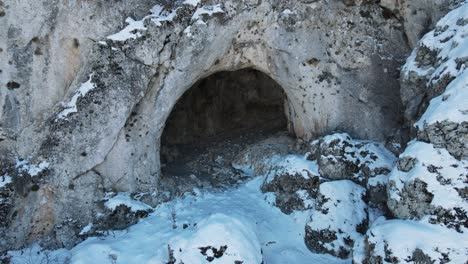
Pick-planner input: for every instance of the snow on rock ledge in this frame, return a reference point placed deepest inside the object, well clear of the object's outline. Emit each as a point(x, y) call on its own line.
point(429, 181)
point(435, 80)
point(339, 219)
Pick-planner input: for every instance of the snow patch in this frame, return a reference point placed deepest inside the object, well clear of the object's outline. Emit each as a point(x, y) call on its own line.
point(70, 106)
point(124, 198)
point(131, 31)
point(4, 180)
point(207, 10)
point(86, 229)
point(31, 169)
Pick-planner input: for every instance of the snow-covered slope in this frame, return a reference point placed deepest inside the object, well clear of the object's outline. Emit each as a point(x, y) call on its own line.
point(238, 225)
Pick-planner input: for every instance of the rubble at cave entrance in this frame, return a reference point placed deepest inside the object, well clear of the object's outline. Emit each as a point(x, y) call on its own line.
point(212, 122)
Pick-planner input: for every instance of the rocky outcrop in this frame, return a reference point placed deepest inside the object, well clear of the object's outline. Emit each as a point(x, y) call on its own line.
point(428, 185)
point(294, 182)
point(338, 220)
point(365, 162)
point(429, 182)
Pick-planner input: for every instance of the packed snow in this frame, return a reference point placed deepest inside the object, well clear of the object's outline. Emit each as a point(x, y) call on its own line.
point(196, 227)
point(70, 106)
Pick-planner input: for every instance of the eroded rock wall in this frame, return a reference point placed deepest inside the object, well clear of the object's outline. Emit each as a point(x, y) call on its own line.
point(337, 62)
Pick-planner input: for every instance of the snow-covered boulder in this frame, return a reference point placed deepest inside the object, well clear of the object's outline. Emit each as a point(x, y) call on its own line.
point(294, 181)
point(219, 239)
point(428, 181)
point(339, 219)
point(403, 241)
point(340, 157)
point(365, 162)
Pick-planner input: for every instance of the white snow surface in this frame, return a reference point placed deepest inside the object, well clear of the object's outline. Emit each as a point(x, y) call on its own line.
point(294, 165)
point(207, 10)
point(4, 180)
point(31, 169)
point(403, 237)
point(86, 229)
point(449, 40)
point(343, 210)
point(452, 105)
point(449, 170)
point(240, 219)
point(70, 106)
point(124, 198)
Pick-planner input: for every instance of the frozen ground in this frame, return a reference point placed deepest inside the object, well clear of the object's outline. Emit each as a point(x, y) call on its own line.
point(241, 222)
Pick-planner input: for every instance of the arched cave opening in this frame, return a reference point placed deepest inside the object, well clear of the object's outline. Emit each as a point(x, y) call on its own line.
point(219, 115)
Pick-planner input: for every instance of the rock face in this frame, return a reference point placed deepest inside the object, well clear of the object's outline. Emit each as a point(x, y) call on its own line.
point(84, 105)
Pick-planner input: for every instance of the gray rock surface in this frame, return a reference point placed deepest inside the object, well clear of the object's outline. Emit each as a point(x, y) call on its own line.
point(82, 114)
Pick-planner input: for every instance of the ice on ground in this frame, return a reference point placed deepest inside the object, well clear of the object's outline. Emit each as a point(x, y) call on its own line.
point(131, 31)
point(124, 198)
point(401, 238)
point(70, 106)
point(205, 219)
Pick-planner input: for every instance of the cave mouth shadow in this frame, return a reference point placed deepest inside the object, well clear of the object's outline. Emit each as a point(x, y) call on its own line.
point(217, 117)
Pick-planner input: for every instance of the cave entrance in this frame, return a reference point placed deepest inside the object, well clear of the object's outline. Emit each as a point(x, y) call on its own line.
point(216, 118)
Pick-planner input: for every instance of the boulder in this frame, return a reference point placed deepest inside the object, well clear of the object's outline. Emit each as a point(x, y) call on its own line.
point(338, 220)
